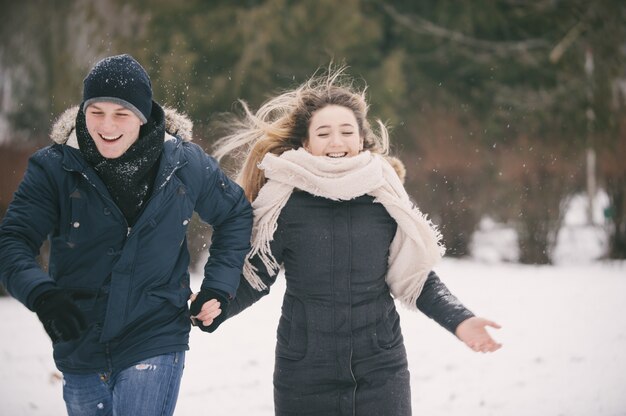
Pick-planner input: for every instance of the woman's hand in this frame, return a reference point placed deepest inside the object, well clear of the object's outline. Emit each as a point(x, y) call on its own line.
point(474, 334)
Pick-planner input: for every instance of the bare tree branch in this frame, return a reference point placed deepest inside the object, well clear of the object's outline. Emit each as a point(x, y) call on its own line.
point(566, 42)
point(420, 25)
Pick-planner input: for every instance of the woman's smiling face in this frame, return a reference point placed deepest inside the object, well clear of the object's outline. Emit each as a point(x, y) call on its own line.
point(112, 127)
point(333, 132)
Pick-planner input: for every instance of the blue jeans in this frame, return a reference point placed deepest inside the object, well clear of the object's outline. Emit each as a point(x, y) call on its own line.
point(148, 388)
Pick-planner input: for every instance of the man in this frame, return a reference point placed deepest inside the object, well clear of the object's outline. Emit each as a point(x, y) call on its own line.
point(114, 195)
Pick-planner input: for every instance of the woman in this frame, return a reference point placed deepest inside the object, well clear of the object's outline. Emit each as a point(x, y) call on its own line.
point(330, 208)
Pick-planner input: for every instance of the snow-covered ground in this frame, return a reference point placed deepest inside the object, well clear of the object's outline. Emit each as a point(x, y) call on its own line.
point(564, 336)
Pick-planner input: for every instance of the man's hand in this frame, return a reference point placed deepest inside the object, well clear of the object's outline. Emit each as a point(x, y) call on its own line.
point(61, 318)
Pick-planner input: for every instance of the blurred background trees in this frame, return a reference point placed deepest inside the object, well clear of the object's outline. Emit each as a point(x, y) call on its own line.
point(497, 108)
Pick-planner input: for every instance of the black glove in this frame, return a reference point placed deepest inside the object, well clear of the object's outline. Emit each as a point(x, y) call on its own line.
point(206, 295)
point(61, 318)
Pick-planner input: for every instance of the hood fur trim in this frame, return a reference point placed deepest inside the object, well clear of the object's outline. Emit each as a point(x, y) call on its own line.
point(176, 123)
point(398, 166)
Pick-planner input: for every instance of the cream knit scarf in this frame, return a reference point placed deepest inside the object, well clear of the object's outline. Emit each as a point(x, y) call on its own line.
point(416, 247)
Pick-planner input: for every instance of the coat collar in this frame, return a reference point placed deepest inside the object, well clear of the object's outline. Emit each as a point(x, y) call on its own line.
point(176, 124)
point(178, 128)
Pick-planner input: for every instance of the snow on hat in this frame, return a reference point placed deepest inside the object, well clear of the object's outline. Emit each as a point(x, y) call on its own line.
point(121, 80)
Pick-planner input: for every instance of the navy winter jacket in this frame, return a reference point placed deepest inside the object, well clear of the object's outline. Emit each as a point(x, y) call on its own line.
point(131, 283)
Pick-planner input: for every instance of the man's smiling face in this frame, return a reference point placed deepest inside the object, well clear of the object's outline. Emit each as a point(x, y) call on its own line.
point(112, 127)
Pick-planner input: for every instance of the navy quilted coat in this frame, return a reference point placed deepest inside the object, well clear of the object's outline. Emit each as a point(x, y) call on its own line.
point(339, 347)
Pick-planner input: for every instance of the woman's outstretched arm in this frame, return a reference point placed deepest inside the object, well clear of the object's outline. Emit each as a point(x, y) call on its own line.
point(438, 303)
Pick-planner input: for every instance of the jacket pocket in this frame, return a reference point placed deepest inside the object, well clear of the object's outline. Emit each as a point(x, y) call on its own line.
point(292, 330)
point(81, 352)
point(74, 223)
point(177, 296)
point(388, 332)
point(85, 299)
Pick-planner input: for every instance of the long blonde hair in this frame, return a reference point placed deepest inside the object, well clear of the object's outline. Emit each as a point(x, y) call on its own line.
point(282, 123)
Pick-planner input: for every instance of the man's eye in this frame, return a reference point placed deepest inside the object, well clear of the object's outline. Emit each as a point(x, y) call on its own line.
point(323, 135)
point(348, 133)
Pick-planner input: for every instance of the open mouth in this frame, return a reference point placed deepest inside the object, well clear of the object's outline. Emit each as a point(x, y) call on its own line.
point(337, 155)
point(110, 138)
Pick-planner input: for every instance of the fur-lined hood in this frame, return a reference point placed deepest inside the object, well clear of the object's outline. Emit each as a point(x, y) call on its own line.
point(398, 166)
point(176, 123)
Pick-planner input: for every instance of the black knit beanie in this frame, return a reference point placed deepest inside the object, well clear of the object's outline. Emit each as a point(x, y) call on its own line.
point(121, 80)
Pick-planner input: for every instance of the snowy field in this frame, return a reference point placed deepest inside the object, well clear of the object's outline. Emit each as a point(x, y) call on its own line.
point(564, 336)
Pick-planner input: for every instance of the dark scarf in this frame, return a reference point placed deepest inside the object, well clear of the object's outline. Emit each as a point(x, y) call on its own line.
point(129, 178)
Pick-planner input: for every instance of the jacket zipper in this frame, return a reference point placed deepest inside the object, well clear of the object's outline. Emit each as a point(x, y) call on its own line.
point(348, 217)
point(155, 191)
